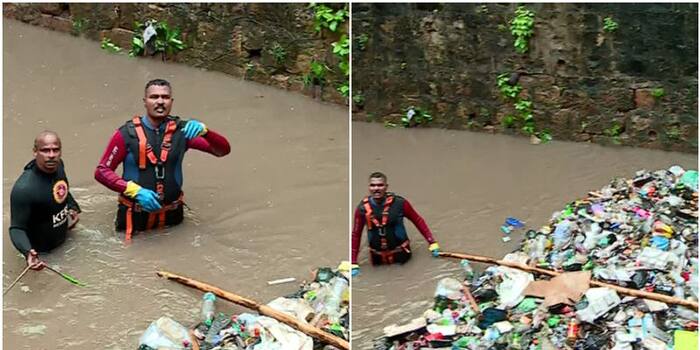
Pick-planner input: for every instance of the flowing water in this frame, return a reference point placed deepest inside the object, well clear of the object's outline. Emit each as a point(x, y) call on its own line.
point(275, 207)
point(465, 185)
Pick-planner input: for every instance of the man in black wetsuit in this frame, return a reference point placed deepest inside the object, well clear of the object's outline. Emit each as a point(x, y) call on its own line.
point(42, 208)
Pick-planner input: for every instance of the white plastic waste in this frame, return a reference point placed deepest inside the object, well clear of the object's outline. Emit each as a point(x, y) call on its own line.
point(600, 301)
point(165, 333)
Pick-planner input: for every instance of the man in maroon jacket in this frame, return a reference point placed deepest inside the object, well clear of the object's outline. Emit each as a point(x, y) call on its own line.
point(152, 148)
point(383, 213)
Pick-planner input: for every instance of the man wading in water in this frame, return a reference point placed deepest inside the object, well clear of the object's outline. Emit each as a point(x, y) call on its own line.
point(383, 213)
point(42, 207)
point(152, 148)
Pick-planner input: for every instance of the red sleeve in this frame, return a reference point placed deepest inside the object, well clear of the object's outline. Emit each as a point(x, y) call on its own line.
point(212, 143)
point(357, 226)
point(418, 221)
point(114, 154)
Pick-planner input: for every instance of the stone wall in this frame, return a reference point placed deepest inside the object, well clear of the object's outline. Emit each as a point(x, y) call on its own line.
point(237, 39)
point(636, 85)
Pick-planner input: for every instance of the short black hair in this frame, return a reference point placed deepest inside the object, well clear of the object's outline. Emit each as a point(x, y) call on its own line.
point(158, 82)
point(377, 175)
point(42, 135)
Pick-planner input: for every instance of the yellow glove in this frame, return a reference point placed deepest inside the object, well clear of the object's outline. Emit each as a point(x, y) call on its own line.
point(435, 249)
point(132, 188)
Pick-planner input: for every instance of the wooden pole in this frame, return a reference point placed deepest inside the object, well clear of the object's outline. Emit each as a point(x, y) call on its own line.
point(262, 309)
point(26, 269)
point(626, 291)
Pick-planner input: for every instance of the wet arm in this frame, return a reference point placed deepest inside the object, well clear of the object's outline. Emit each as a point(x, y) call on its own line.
point(212, 143)
point(20, 209)
point(114, 154)
point(357, 226)
point(418, 221)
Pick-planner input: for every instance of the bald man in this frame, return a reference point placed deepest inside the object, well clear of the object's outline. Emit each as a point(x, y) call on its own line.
point(42, 207)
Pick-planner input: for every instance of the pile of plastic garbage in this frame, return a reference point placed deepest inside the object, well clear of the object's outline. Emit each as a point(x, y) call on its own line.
point(322, 303)
point(639, 233)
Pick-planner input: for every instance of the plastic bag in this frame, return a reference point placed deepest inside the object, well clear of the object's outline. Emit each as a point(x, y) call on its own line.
point(165, 333)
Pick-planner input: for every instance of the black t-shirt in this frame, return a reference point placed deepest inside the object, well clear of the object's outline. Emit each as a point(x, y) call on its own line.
point(39, 209)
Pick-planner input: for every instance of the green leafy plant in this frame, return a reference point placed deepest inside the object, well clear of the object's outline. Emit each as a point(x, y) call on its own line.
point(358, 98)
point(341, 49)
point(249, 69)
point(658, 93)
point(107, 44)
point(544, 135)
point(78, 25)
point(507, 90)
point(508, 121)
point(614, 132)
point(521, 28)
point(415, 116)
point(609, 25)
point(317, 73)
point(673, 133)
point(326, 17)
point(362, 41)
point(166, 40)
point(278, 53)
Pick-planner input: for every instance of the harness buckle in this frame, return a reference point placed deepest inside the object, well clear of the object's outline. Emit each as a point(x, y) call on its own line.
point(159, 170)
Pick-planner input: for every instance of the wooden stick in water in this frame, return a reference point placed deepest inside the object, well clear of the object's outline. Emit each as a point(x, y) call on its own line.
point(261, 308)
point(627, 291)
point(26, 269)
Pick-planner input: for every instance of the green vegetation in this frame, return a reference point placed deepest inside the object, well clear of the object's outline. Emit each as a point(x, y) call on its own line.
point(521, 28)
point(388, 124)
point(362, 41)
point(614, 132)
point(507, 90)
point(78, 26)
point(658, 93)
point(673, 132)
point(249, 69)
point(341, 49)
point(167, 41)
point(107, 44)
point(326, 17)
point(358, 98)
point(524, 108)
point(278, 53)
point(609, 25)
point(415, 116)
point(317, 74)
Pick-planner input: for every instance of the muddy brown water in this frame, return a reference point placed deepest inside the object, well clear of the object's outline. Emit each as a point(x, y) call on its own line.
point(275, 207)
point(465, 185)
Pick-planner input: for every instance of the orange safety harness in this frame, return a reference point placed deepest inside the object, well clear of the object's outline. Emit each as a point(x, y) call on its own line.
point(146, 152)
point(386, 254)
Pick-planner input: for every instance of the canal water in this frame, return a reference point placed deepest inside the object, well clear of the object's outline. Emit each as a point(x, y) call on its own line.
point(465, 185)
point(275, 207)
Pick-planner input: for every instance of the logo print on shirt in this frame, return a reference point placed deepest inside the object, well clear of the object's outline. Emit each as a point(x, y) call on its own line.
point(60, 191)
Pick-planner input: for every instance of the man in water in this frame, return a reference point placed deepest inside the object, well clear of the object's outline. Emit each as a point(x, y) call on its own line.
point(42, 209)
point(152, 147)
point(383, 213)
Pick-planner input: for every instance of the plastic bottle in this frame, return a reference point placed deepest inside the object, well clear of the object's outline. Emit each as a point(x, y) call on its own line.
point(332, 304)
point(562, 234)
point(468, 271)
point(208, 308)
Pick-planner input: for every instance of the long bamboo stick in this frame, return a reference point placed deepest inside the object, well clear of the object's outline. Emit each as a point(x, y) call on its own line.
point(626, 291)
point(262, 309)
point(26, 269)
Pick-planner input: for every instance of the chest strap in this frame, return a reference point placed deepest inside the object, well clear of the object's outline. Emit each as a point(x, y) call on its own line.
point(369, 215)
point(145, 149)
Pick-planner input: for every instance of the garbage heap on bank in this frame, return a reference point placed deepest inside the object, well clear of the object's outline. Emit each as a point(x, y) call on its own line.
point(322, 303)
point(639, 233)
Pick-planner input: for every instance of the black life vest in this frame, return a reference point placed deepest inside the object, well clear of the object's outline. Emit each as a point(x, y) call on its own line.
point(381, 226)
point(156, 156)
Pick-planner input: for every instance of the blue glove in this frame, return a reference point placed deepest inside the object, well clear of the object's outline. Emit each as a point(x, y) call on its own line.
point(147, 199)
point(435, 249)
point(355, 270)
point(194, 128)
